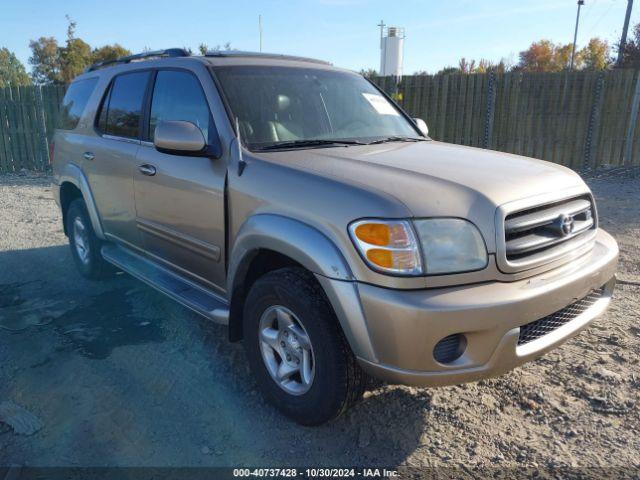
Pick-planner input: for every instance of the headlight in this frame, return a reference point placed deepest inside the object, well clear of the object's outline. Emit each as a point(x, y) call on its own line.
point(442, 245)
point(388, 246)
point(451, 245)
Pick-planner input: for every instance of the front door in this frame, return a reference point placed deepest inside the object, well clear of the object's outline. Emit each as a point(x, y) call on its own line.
point(180, 199)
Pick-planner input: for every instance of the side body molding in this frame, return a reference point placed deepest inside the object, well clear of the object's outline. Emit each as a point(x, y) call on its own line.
point(318, 254)
point(73, 174)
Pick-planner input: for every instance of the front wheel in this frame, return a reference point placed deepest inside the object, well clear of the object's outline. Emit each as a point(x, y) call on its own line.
point(296, 349)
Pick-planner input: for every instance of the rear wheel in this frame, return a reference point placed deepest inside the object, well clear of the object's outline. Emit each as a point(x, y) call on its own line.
point(296, 349)
point(85, 245)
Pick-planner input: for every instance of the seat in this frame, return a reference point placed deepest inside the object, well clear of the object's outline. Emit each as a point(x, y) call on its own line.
point(284, 128)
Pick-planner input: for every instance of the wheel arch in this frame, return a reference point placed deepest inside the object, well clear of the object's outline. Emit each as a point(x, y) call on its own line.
point(73, 184)
point(267, 242)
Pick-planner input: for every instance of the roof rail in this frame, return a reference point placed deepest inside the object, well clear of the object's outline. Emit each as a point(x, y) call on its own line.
point(240, 53)
point(168, 52)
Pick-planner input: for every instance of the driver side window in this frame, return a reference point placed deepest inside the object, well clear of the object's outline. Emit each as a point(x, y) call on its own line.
point(177, 95)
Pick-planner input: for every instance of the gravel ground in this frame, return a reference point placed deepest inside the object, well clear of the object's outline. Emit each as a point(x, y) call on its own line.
point(114, 373)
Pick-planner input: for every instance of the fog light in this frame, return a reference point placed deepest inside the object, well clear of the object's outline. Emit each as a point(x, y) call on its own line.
point(450, 348)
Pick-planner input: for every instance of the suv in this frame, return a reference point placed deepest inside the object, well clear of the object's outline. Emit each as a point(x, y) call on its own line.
point(296, 203)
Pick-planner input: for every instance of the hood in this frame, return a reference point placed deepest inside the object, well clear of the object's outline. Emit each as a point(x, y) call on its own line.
point(437, 179)
point(417, 172)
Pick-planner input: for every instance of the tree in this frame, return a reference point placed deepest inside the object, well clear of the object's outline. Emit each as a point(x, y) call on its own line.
point(76, 56)
point(108, 53)
point(562, 59)
point(540, 57)
point(595, 56)
point(203, 48)
point(45, 61)
point(448, 71)
point(630, 55)
point(12, 71)
point(465, 66)
point(369, 72)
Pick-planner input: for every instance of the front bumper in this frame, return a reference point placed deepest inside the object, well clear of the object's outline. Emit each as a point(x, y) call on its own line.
point(404, 326)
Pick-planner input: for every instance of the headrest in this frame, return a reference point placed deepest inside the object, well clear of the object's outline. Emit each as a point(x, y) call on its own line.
point(282, 102)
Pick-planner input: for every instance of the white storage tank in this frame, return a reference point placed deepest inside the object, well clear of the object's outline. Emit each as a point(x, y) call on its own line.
point(391, 52)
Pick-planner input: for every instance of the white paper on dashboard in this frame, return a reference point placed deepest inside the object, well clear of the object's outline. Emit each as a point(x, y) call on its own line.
point(381, 105)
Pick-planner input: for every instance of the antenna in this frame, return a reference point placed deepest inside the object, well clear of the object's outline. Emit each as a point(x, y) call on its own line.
point(241, 163)
point(260, 28)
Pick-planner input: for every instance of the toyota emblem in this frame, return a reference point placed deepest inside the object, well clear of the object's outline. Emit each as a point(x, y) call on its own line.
point(565, 224)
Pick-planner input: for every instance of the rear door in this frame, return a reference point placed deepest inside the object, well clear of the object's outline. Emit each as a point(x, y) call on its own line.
point(180, 199)
point(110, 157)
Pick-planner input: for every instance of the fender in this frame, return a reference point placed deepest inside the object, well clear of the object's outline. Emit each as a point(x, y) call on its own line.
point(73, 174)
point(315, 252)
point(299, 241)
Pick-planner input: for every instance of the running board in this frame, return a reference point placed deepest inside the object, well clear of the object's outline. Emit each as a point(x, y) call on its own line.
point(181, 290)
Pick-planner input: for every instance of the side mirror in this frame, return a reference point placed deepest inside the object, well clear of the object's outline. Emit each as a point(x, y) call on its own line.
point(178, 137)
point(422, 126)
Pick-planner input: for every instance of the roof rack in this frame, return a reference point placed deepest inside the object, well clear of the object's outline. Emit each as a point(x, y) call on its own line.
point(240, 53)
point(168, 52)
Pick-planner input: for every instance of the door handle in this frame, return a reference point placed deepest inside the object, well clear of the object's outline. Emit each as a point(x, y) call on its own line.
point(88, 155)
point(147, 169)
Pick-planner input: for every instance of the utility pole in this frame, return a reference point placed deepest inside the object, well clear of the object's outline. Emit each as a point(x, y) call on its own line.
point(382, 56)
point(625, 29)
point(575, 34)
point(260, 29)
point(381, 25)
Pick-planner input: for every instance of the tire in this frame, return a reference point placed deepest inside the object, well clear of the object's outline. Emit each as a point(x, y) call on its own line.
point(82, 238)
point(334, 382)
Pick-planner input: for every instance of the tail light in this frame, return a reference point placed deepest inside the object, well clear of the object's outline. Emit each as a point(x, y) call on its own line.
point(52, 149)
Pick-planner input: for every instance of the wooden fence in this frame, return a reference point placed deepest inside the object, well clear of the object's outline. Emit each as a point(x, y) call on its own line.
point(27, 119)
point(582, 119)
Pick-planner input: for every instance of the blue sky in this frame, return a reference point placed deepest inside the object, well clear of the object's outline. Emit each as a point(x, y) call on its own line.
point(341, 31)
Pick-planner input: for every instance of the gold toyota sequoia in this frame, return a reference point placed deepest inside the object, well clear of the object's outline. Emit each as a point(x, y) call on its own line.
point(296, 203)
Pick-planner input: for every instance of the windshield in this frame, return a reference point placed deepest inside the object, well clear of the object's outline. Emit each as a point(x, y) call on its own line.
point(298, 107)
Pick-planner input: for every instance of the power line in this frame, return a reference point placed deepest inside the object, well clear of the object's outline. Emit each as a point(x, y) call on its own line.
point(597, 22)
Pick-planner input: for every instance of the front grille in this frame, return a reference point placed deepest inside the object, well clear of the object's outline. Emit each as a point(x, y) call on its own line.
point(538, 232)
point(534, 330)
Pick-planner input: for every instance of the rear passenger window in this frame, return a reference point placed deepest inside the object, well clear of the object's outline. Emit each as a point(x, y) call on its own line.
point(179, 96)
point(74, 102)
point(122, 106)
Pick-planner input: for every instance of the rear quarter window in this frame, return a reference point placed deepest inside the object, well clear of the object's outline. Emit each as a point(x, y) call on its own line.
point(74, 103)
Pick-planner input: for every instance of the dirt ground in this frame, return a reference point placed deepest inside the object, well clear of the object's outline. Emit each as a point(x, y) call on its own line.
point(114, 373)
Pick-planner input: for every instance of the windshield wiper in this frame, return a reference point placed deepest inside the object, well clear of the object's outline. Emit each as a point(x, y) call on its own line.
point(309, 143)
point(397, 139)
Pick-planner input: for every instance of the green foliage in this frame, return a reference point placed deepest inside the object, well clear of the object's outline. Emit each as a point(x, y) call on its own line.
point(203, 48)
point(546, 56)
point(595, 56)
point(12, 72)
point(53, 64)
point(630, 55)
point(108, 53)
point(369, 73)
point(76, 56)
point(448, 71)
point(468, 67)
point(45, 61)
